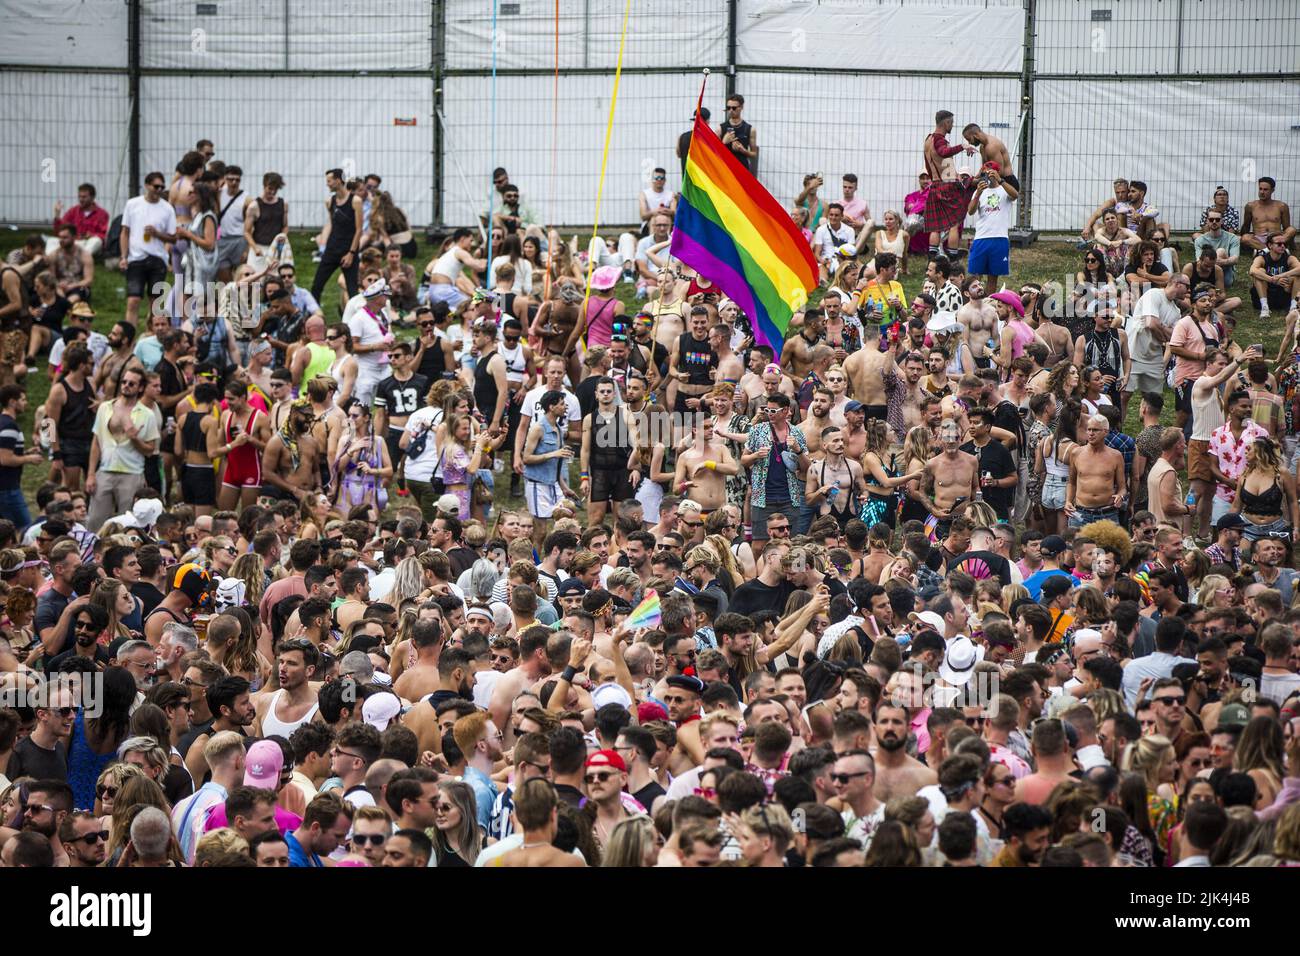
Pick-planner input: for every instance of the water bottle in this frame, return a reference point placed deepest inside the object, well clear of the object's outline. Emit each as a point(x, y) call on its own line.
point(1191, 499)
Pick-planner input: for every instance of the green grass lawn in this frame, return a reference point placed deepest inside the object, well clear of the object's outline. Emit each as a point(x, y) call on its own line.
point(1048, 260)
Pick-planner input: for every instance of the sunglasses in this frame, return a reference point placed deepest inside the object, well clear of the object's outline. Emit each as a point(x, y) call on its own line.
point(1172, 700)
point(599, 777)
point(425, 325)
point(103, 791)
point(444, 808)
point(369, 839)
point(708, 793)
point(90, 839)
point(846, 777)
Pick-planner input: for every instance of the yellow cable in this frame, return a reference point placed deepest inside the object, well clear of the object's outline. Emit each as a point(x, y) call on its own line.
point(604, 161)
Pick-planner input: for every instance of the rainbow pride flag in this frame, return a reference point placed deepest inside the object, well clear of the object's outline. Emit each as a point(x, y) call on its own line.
point(731, 231)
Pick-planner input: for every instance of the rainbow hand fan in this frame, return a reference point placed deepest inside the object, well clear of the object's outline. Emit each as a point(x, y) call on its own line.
point(647, 613)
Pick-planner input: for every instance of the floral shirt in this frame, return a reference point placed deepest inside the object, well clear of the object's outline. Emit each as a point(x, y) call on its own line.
point(760, 436)
point(1230, 453)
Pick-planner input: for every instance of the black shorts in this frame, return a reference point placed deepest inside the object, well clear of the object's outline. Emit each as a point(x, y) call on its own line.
point(875, 411)
point(74, 453)
point(983, 361)
point(610, 485)
point(395, 453)
point(680, 405)
point(198, 485)
point(275, 493)
point(1183, 397)
point(143, 275)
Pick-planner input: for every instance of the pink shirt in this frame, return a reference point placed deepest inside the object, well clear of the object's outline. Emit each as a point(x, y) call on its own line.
point(854, 208)
point(1187, 336)
point(1231, 454)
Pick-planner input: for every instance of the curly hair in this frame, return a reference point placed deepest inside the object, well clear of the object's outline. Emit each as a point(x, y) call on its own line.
point(1111, 537)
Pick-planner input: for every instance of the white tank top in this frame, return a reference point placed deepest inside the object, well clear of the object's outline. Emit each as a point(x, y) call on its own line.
point(273, 726)
point(516, 364)
point(448, 265)
point(1056, 468)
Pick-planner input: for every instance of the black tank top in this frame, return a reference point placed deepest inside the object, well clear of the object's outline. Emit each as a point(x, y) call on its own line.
point(192, 438)
point(270, 221)
point(695, 358)
point(1268, 504)
point(344, 225)
point(742, 131)
point(605, 454)
point(433, 363)
point(485, 388)
point(75, 420)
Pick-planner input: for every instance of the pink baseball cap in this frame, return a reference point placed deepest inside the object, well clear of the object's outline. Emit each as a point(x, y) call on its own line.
point(262, 765)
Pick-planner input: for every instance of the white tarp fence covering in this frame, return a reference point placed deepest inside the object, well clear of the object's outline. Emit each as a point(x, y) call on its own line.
point(61, 122)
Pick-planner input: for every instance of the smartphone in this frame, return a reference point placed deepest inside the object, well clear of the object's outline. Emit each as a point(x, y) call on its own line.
point(1258, 347)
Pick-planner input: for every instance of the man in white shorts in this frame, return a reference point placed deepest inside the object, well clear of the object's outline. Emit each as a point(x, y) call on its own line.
point(371, 338)
point(546, 460)
point(1149, 328)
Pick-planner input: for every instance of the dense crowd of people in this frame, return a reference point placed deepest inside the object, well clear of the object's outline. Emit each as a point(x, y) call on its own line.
point(903, 592)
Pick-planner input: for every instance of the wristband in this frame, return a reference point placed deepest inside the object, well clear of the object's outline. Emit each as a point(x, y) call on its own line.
point(569, 673)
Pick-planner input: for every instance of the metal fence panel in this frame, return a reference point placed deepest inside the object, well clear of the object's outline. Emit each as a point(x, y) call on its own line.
point(802, 129)
point(667, 34)
point(80, 33)
point(985, 36)
point(1181, 137)
point(645, 135)
point(249, 131)
point(58, 130)
point(279, 35)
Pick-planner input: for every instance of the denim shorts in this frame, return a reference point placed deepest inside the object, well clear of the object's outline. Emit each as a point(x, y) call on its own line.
point(1054, 493)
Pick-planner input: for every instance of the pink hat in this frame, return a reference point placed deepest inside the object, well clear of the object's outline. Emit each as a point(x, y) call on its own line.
point(262, 765)
point(1011, 300)
point(606, 277)
point(648, 710)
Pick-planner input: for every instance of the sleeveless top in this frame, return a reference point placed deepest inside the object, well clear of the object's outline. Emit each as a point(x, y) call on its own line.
point(273, 725)
point(516, 364)
point(75, 420)
point(343, 226)
point(192, 433)
point(448, 265)
point(742, 131)
point(85, 765)
point(270, 221)
point(1056, 467)
point(600, 323)
point(695, 358)
point(1157, 472)
point(1268, 504)
point(606, 455)
point(954, 364)
point(548, 471)
point(1022, 336)
point(1102, 350)
point(433, 363)
point(200, 262)
point(485, 388)
point(320, 363)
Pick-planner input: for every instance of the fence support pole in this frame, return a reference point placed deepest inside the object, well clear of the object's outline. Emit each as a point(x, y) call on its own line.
point(133, 86)
point(732, 15)
point(437, 57)
point(1025, 148)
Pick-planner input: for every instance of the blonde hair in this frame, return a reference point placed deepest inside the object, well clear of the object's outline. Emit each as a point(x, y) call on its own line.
point(248, 568)
point(215, 842)
point(1147, 755)
point(629, 842)
point(1209, 584)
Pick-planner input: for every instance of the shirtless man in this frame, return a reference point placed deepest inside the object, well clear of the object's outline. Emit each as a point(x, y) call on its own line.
point(854, 431)
point(951, 477)
point(751, 383)
point(897, 774)
point(291, 465)
point(1120, 199)
point(992, 150)
point(1098, 486)
point(295, 703)
point(913, 372)
point(533, 667)
point(421, 678)
point(836, 480)
point(872, 374)
point(120, 340)
point(818, 417)
point(535, 811)
point(682, 695)
point(837, 380)
point(796, 355)
point(834, 325)
point(1264, 216)
point(978, 319)
point(702, 469)
point(730, 366)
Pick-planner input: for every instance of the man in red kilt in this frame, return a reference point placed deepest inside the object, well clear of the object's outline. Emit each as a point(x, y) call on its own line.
point(947, 199)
